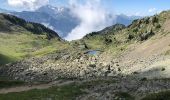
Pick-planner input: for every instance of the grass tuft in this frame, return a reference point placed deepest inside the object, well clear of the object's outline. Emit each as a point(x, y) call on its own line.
point(158, 96)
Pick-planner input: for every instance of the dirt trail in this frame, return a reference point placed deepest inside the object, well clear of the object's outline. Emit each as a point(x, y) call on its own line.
point(27, 88)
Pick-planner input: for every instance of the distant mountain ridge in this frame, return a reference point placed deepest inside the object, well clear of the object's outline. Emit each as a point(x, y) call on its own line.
point(58, 19)
point(126, 20)
point(3, 11)
point(11, 23)
point(61, 20)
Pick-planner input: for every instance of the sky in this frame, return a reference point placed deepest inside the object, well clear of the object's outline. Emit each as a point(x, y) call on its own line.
point(127, 7)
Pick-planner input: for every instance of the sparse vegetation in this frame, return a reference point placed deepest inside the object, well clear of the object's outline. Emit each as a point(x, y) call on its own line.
point(8, 84)
point(14, 47)
point(167, 52)
point(124, 96)
point(96, 82)
point(158, 96)
point(147, 35)
point(66, 92)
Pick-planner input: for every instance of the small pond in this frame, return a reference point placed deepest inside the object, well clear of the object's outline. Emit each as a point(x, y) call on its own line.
point(93, 52)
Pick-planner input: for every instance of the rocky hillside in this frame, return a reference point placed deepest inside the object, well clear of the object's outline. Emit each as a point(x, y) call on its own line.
point(135, 59)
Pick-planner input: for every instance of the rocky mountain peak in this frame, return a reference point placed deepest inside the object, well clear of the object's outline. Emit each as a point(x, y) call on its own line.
point(51, 10)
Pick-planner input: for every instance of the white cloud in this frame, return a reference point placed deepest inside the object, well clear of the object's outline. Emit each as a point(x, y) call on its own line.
point(28, 4)
point(151, 10)
point(138, 14)
point(92, 15)
point(154, 11)
point(48, 25)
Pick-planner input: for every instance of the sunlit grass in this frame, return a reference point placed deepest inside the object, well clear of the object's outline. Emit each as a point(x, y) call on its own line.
point(15, 47)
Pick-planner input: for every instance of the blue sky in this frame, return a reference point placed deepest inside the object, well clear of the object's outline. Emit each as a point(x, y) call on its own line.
point(128, 7)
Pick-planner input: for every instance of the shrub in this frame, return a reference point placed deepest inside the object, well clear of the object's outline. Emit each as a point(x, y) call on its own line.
point(130, 37)
point(145, 36)
point(144, 79)
point(108, 41)
point(92, 65)
point(158, 26)
point(124, 96)
point(154, 20)
point(163, 69)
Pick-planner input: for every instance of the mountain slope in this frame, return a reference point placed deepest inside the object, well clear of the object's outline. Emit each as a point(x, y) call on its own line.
point(60, 21)
point(20, 39)
point(102, 39)
point(11, 23)
point(140, 30)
